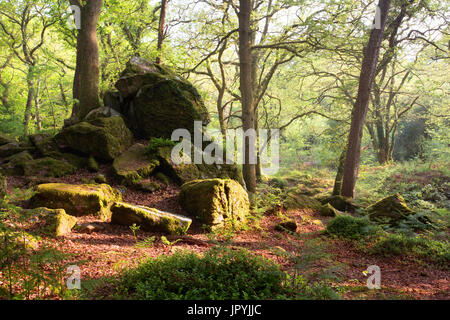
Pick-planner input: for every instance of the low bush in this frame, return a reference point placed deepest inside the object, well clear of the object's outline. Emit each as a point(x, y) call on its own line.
point(400, 244)
point(219, 274)
point(349, 227)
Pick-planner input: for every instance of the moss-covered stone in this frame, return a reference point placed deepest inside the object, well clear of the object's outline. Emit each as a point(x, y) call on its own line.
point(92, 164)
point(294, 201)
point(44, 143)
point(390, 210)
point(149, 219)
point(57, 222)
point(216, 202)
point(289, 225)
point(327, 210)
point(10, 149)
point(341, 203)
point(134, 164)
point(48, 167)
point(148, 186)
point(100, 178)
point(103, 138)
point(183, 173)
point(159, 96)
point(77, 200)
point(17, 240)
point(75, 160)
point(4, 139)
point(14, 165)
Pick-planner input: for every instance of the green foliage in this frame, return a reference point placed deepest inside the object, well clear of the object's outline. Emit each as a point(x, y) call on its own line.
point(28, 271)
point(220, 274)
point(400, 244)
point(155, 143)
point(349, 227)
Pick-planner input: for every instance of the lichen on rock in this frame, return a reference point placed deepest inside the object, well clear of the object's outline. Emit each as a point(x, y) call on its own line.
point(149, 219)
point(57, 222)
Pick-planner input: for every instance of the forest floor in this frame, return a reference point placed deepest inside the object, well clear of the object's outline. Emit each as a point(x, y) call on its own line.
point(111, 249)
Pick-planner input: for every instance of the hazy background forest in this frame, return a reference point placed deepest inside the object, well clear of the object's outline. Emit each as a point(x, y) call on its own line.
point(293, 65)
point(308, 60)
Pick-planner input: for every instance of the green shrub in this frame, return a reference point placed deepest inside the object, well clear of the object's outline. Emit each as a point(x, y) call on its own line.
point(349, 227)
point(400, 244)
point(220, 274)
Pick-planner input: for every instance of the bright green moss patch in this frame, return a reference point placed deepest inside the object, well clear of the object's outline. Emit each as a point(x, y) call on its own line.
point(349, 227)
point(77, 200)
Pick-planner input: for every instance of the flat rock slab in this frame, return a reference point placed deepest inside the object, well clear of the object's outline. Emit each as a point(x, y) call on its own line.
point(149, 219)
point(134, 164)
point(77, 200)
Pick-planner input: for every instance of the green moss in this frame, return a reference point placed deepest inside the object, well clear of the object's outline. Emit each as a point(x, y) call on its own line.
point(216, 202)
point(328, 210)
point(57, 222)
point(103, 138)
point(4, 139)
point(341, 203)
point(44, 143)
point(92, 165)
point(294, 201)
point(162, 177)
point(15, 164)
point(134, 165)
point(350, 227)
point(77, 200)
point(149, 219)
point(48, 167)
point(390, 210)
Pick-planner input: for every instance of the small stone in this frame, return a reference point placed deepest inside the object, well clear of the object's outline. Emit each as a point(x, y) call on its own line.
point(289, 225)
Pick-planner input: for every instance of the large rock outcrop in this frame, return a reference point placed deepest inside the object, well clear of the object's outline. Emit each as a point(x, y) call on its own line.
point(215, 202)
point(149, 219)
point(155, 101)
point(182, 173)
point(77, 200)
point(103, 138)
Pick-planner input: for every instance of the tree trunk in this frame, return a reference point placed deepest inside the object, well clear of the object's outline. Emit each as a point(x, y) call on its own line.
point(162, 18)
point(29, 106)
point(87, 70)
point(339, 174)
point(37, 106)
point(248, 114)
point(367, 75)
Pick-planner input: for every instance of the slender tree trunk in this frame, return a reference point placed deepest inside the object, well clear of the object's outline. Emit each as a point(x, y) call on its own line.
point(87, 71)
point(248, 113)
point(368, 69)
point(29, 106)
point(37, 106)
point(339, 174)
point(162, 18)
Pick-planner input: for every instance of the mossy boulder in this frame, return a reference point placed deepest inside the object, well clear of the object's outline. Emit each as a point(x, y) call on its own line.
point(148, 186)
point(182, 173)
point(341, 203)
point(390, 210)
point(70, 158)
point(48, 167)
point(289, 225)
point(103, 138)
point(295, 201)
point(14, 165)
point(149, 219)
point(4, 139)
point(102, 112)
point(216, 202)
point(92, 165)
point(77, 200)
point(10, 149)
point(156, 95)
point(327, 210)
point(134, 164)
point(44, 143)
point(57, 222)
